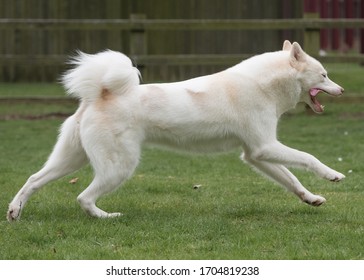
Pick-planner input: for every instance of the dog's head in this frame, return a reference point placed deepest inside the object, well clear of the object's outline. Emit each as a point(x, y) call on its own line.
point(312, 76)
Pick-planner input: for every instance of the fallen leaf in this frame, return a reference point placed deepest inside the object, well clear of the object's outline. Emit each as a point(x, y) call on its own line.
point(196, 187)
point(73, 181)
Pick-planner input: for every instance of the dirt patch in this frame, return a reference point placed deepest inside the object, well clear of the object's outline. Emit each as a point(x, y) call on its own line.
point(35, 99)
point(352, 116)
point(48, 116)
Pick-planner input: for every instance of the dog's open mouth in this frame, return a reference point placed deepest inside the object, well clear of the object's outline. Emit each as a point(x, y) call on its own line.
point(316, 105)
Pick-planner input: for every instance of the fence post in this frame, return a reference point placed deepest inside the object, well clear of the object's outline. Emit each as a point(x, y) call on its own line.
point(311, 37)
point(138, 42)
point(324, 33)
point(349, 33)
point(361, 34)
point(335, 32)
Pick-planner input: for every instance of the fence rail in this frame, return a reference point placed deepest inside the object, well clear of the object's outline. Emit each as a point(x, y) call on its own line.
point(176, 59)
point(175, 24)
point(138, 28)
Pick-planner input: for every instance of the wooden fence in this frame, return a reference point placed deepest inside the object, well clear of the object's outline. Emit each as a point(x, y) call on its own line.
point(155, 66)
point(338, 39)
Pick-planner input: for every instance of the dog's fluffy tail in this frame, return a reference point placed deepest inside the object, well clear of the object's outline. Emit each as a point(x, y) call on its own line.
point(92, 74)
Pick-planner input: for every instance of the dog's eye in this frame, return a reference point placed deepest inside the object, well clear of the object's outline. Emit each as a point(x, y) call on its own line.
point(324, 75)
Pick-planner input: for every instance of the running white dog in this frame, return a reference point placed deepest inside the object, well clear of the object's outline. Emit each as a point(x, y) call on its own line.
point(236, 107)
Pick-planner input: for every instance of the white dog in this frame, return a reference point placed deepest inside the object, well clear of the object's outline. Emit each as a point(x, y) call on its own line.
point(236, 107)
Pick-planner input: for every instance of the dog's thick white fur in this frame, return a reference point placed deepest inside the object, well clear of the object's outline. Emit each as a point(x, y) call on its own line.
point(236, 107)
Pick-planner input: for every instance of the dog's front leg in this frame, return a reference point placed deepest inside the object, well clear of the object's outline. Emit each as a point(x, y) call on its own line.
point(278, 153)
point(284, 177)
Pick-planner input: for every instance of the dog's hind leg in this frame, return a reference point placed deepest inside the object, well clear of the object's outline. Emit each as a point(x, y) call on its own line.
point(284, 177)
point(114, 162)
point(66, 157)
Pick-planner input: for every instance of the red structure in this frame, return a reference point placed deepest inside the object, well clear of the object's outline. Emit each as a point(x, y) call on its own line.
point(362, 30)
point(324, 34)
point(336, 39)
point(349, 33)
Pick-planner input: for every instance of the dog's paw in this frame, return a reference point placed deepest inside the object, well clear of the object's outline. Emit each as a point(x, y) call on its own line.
point(335, 176)
point(315, 200)
point(332, 175)
point(13, 213)
point(113, 215)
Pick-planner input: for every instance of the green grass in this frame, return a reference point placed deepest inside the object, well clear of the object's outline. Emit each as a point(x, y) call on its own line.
point(235, 214)
point(31, 89)
point(347, 75)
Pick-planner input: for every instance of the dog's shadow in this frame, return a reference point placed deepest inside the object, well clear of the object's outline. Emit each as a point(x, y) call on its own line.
point(265, 212)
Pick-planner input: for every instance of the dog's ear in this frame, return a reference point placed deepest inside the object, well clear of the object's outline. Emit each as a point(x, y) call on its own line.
point(297, 56)
point(286, 45)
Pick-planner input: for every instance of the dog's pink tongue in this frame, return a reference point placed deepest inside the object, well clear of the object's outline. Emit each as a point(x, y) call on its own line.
point(314, 91)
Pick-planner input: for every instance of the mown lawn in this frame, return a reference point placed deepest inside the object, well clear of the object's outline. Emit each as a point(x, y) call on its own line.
point(235, 214)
